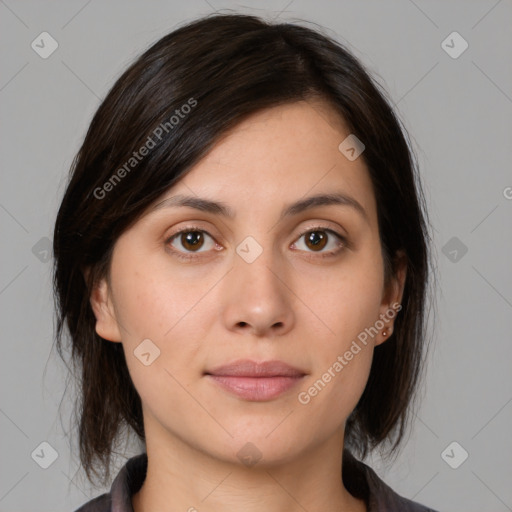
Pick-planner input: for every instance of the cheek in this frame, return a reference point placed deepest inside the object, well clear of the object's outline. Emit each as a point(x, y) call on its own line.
point(153, 303)
point(347, 300)
point(154, 308)
point(151, 297)
point(347, 297)
point(145, 306)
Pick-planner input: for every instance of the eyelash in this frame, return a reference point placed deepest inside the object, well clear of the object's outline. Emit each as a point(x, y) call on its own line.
point(192, 256)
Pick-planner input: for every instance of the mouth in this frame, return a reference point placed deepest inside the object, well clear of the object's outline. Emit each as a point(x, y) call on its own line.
point(255, 381)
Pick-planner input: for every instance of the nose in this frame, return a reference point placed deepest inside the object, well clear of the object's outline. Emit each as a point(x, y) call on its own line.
point(259, 299)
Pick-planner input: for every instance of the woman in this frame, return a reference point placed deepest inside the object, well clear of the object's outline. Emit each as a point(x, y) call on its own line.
point(241, 261)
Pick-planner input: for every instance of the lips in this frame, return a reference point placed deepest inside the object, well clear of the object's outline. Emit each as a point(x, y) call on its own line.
point(249, 368)
point(255, 381)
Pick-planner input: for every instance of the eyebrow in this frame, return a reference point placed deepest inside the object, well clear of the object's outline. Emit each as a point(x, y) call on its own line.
point(220, 208)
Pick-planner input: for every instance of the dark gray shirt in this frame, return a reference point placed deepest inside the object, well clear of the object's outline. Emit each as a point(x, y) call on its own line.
point(359, 479)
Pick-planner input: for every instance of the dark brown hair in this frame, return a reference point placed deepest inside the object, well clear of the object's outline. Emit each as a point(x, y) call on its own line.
point(225, 68)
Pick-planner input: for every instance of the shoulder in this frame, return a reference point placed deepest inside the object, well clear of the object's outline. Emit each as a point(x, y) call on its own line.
point(102, 503)
point(386, 499)
point(127, 482)
point(363, 480)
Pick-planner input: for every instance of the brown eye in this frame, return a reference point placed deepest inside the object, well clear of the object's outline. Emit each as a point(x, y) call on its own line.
point(192, 240)
point(316, 240)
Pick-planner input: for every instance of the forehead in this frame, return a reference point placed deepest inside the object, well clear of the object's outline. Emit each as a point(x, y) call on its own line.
point(277, 156)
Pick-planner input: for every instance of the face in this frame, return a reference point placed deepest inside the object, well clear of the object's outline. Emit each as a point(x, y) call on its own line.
point(192, 289)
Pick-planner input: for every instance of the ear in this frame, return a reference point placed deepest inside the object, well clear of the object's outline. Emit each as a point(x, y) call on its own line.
point(101, 302)
point(392, 298)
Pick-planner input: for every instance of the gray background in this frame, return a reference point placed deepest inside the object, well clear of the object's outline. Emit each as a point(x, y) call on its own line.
point(459, 113)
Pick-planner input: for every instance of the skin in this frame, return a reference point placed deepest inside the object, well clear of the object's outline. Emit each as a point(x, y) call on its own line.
point(289, 304)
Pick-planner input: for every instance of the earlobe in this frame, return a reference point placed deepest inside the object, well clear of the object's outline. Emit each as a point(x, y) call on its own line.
point(106, 323)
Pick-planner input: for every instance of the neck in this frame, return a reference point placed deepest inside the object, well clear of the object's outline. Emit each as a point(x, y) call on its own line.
point(180, 477)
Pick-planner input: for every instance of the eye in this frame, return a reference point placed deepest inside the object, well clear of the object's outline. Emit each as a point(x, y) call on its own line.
point(318, 238)
point(192, 240)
